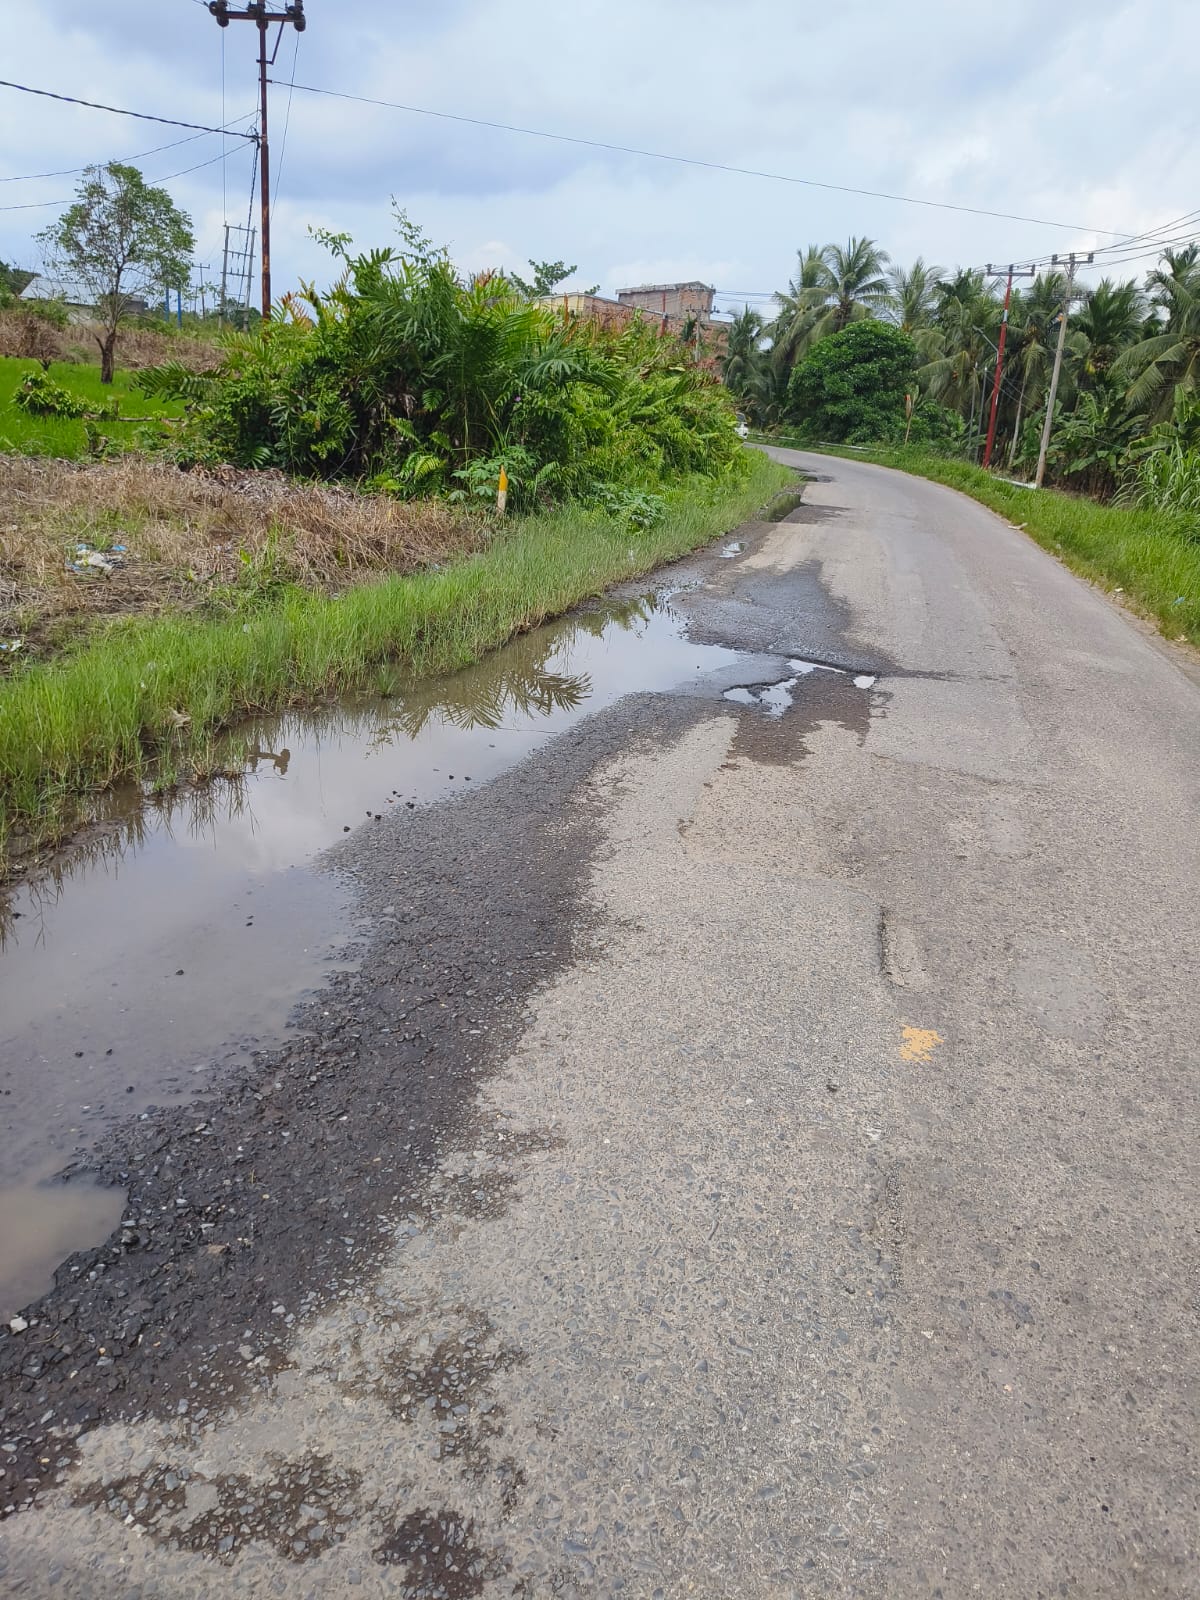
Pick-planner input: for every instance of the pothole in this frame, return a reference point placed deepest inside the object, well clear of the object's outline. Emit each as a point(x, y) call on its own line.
point(775, 698)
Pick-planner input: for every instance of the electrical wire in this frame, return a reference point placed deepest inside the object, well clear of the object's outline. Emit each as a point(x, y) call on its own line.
point(119, 111)
point(287, 119)
point(170, 177)
point(34, 205)
point(697, 161)
point(68, 172)
point(249, 274)
point(1121, 250)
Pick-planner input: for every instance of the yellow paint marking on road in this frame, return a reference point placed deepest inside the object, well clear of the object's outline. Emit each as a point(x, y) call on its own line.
point(919, 1043)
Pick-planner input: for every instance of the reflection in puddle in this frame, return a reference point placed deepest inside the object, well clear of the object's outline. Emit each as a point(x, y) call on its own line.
point(194, 924)
point(43, 1222)
point(734, 548)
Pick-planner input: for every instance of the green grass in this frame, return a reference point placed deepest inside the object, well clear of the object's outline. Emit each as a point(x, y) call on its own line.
point(1143, 553)
point(102, 714)
point(67, 436)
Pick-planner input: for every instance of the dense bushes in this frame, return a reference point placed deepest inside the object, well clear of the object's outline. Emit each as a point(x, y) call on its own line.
point(851, 385)
point(406, 377)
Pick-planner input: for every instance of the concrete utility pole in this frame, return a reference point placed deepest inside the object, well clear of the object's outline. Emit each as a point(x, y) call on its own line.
point(224, 279)
point(256, 12)
point(1072, 262)
point(1013, 272)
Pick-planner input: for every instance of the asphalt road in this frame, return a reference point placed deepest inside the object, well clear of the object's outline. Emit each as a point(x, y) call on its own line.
point(806, 1203)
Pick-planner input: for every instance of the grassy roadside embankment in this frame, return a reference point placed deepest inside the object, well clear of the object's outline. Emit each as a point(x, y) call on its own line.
point(66, 437)
point(1152, 565)
point(143, 698)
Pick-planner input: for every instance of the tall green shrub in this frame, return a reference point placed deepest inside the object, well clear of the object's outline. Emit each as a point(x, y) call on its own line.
point(850, 387)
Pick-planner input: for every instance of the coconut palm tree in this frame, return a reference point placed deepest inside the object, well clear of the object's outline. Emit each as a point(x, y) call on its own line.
point(834, 287)
point(957, 374)
point(912, 296)
point(743, 351)
point(960, 346)
point(799, 304)
point(1111, 319)
point(1168, 360)
point(857, 283)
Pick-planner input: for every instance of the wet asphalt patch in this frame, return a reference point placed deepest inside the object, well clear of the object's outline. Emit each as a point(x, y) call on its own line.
point(277, 1193)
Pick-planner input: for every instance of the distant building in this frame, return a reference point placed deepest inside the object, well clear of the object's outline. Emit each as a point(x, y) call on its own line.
point(671, 299)
point(43, 288)
point(71, 296)
point(658, 306)
point(595, 307)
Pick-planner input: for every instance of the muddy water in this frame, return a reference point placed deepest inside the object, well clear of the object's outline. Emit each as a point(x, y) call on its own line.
point(193, 927)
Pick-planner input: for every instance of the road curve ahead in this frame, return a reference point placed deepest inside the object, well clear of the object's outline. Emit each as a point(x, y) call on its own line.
point(819, 1217)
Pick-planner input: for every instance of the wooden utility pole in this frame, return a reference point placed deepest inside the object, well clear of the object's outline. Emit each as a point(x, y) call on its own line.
point(1013, 272)
point(256, 12)
point(1072, 262)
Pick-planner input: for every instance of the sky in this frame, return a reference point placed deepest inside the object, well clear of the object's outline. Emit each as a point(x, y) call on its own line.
point(1070, 113)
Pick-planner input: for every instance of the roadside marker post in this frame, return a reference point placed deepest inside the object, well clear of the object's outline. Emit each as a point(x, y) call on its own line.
point(502, 492)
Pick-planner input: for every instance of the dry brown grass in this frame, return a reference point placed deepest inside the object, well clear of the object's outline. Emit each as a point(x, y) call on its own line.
point(192, 538)
point(28, 336)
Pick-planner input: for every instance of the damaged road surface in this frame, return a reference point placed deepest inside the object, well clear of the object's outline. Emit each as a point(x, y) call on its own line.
point(752, 1152)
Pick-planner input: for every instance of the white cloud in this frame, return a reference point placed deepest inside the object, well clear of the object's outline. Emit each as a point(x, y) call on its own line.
point(1058, 114)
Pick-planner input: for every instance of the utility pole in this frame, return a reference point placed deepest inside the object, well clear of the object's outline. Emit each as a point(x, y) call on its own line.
point(1072, 262)
point(224, 279)
point(1013, 272)
point(256, 12)
point(200, 291)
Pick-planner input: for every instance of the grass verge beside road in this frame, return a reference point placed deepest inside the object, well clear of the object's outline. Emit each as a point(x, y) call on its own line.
point(1151, 563)
point(144, 698)
point(66, 437)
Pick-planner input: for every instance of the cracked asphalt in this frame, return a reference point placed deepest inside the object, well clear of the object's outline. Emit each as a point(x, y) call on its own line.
point(754, 1154)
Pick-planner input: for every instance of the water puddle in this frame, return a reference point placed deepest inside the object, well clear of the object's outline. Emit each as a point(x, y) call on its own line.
point(194, 925)
point(44, 1220)
point(734, 548)
point(776, 698)
point(785, 503)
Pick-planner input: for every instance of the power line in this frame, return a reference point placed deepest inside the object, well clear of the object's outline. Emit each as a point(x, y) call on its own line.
point(119, 111)
point(67, 172)
point(1154, 239)
point(287, 122)
point(36, 205)
point(697, 161)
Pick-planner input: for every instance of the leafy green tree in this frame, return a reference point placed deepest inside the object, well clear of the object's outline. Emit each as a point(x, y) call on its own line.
point(1091, 445)
point(547, 275)
point(121, 240)
point(851, 385)
point(13, 281)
